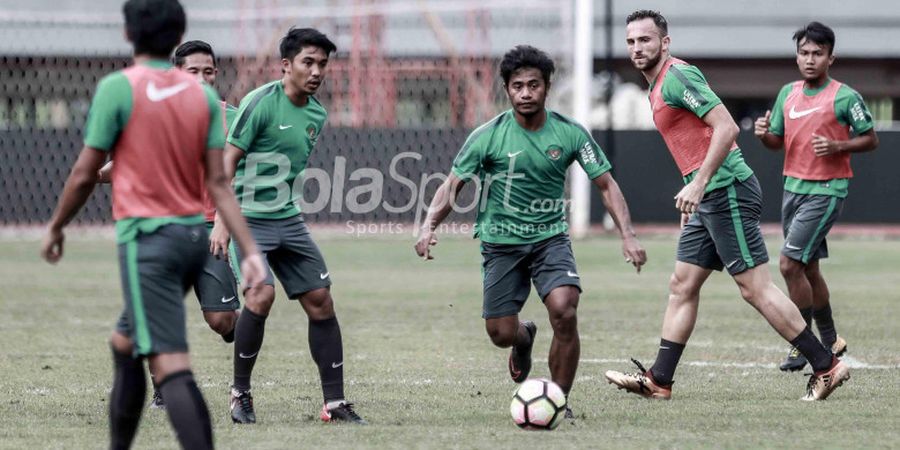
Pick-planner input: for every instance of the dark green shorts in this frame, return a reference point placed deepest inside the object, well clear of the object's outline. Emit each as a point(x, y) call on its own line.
point(724, 232)
point(509, 270)
point(216, 288)
point(806, 220)
point(289, 252)
point(157, 269)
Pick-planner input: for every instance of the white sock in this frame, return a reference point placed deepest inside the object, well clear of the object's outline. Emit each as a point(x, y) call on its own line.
point(334, 404)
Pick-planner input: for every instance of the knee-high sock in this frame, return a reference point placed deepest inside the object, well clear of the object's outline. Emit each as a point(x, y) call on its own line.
point(187, 410)
point(666, 360)
point(327, 349)
point(825, 324)
point(248, 339)
point(126, 401)
point(818, 355)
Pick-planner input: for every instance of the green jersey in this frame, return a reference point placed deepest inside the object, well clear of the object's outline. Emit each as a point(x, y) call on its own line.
point(521, 175)
point(277, 138)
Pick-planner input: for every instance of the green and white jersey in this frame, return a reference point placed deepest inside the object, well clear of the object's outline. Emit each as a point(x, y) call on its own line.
point(521, 175)
point(277, 138)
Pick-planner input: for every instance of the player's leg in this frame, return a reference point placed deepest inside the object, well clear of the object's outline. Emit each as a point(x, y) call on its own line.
point(556, 279)
point(216, 290)
point(822, 309)
point(696, 258)
point(506, 286)
point(129, 388)
point(300, 267)
point(739, 239)
point(251, 323)
point(161, 266)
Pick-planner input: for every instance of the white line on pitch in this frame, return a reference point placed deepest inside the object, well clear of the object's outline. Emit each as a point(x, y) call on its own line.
point(852, 362)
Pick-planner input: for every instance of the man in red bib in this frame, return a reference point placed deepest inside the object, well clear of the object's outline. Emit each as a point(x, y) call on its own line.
point(720, 206)
point(819, 122)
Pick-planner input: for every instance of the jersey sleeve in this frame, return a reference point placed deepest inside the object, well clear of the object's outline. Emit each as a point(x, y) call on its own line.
point(685, 87)
point(109, 112)
point(851, 110)
point(230, 115)
point(468, 161)
point(589, 154)
point(215, 138)
point(776, 119)
point(251, 119)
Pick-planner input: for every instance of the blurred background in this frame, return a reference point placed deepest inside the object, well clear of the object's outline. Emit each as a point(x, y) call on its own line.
point(419, 75)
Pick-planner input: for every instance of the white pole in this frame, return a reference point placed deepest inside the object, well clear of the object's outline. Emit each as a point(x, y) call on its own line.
point(583, 68)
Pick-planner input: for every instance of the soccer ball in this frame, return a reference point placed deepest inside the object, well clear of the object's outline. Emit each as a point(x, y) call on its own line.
point(538, 404)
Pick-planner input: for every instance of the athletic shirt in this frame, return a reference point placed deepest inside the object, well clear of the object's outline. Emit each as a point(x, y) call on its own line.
point(209, 207)
point(277, 138)
point(834, 111)
point(156, 120)
point(524, 173)
point(680, 97)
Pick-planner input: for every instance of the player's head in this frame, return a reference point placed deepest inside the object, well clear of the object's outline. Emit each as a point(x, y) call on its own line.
point(647, 38)
point(197, 58)
point(526, 75)
point(154, 27)
point(815, 50)
point(304, 57)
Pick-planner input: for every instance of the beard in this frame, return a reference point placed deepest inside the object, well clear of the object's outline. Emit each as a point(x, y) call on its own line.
point(649, 63)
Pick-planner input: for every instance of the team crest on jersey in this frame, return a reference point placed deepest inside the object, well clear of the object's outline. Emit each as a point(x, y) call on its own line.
point(554, 153)
point(311, 132)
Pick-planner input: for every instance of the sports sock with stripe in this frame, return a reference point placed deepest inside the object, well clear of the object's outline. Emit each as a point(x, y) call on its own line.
point(327, 350)
point(666, 360)
point(187, 410)
point(126, 401)
point(248, 339)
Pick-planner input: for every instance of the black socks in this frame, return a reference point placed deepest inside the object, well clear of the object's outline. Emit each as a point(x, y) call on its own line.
point(327, 350)
point(126, 401)
point(818, 355)
point(825, 323)
point(187, 410)
point(249, 332)
point(666, 360)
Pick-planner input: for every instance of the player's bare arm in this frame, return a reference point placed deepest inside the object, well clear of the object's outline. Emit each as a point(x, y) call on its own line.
point(865, 142)
point(761, 130)
point(617, 207)
point(219, 236)
point(104, 175)
point(724, 133)
point(75, 193)
point(439, 209)
point(219, 187)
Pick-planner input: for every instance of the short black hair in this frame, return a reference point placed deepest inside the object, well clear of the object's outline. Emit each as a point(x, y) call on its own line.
point(154, 27)
point(816, 32)
point(658, 19)
point(297, 38)
point(522, 56)
point(191, 47)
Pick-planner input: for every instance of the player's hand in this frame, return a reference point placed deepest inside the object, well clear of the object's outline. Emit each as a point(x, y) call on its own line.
point(688, 199)
point(426, 240)
point(634, 252)
point(761, 126)
point(253, 270)
point(824, 147)
point(218, 240)
point(52, 246)
point(684, 219)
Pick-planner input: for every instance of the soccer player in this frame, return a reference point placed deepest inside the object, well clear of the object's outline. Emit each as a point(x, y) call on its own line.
point(819, 122)
point(162, 127)
point(215, 288)
point(520, 158)
point(720, 206)
point(268, 146)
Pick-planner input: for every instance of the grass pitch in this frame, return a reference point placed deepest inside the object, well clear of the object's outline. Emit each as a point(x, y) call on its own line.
point(420, 367)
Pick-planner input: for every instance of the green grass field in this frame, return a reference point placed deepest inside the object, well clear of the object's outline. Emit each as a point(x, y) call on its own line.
point(421, 368)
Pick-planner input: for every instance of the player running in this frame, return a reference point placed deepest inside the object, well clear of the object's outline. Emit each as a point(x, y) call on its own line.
point(720, 207)
point(521, 157)
point(163, 128)
point(215, 288)
point(819, 122)
point(268, 147)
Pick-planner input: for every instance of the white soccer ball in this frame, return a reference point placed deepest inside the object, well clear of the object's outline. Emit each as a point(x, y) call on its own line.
point(538, 404)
